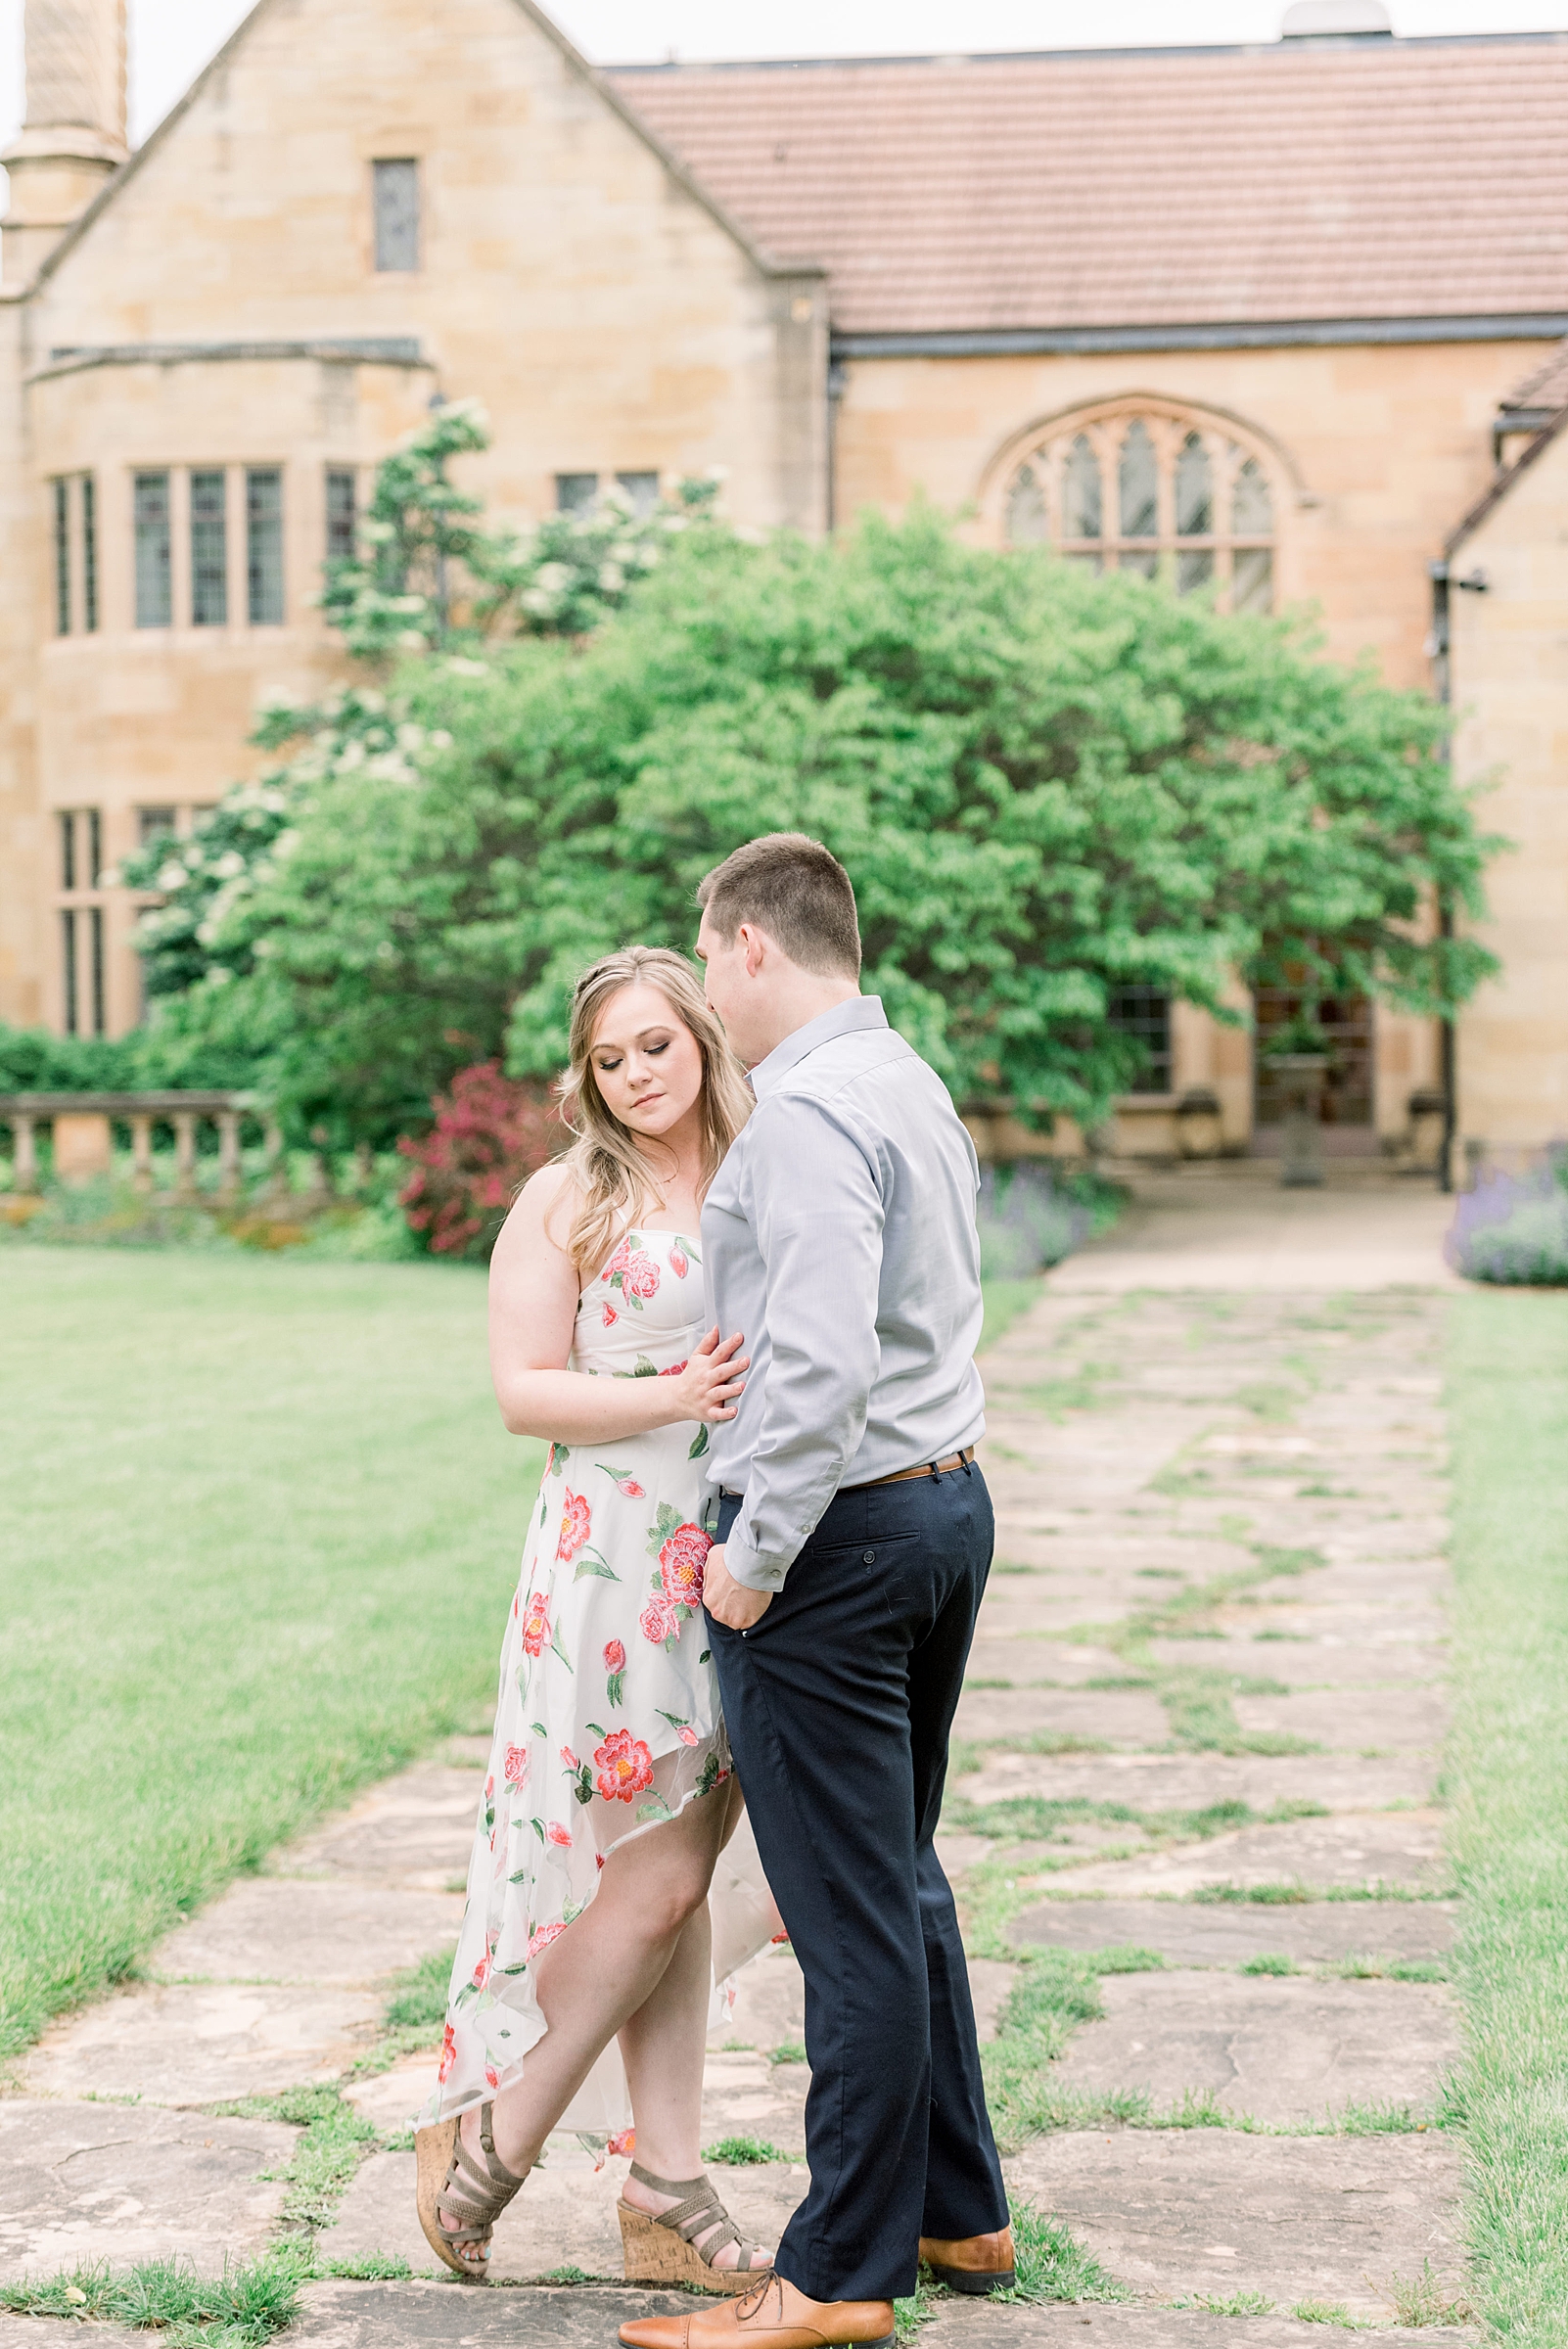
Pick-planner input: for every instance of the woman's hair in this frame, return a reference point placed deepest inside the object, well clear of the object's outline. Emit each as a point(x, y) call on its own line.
point(611, 1173)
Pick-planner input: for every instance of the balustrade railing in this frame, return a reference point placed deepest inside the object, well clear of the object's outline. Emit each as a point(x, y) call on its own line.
point(82, 1131)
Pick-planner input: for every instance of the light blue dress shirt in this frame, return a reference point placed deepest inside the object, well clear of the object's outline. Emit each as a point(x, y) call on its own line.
point(839, 1236)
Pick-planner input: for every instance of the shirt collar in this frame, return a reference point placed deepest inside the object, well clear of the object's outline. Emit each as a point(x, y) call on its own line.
point(854, 1012)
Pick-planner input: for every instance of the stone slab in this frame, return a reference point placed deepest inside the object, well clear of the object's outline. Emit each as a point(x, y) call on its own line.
point(338, 1935)
point(973, 2324)
point(415, 1830)
point(1282, 2051)
point(1331, 1660)
point(42, 2332)
point(121, 2183)
point(1403, 1848)
point(563, 2216)
point(1174, 2212)
point(1191, 1781)
point(1397, 1720)
point(1193, 1933)
point(1042, 1660)
point(458, 2316)
point(204, 2044)
point(1131, 1717)
point(393, 2098)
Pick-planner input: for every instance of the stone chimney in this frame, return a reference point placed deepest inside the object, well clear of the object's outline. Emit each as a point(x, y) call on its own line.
point(73, 136)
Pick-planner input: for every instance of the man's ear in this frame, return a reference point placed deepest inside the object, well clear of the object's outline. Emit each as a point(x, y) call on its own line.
point(754, 944)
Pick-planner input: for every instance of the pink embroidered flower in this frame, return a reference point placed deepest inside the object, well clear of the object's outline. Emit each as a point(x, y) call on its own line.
point(655, 1623)
point(619, 1262)
point(537, 1625)
point(611, 1316)
point(577, 1520)
point(448, 2053)
point(559, 1835)
point(615, 1657)
point(570, 1758)
point(625, 2142)
point(674, 1370)
point(489, 1789)
point(628, 1489)
point(678, 1263)
point(640, 1278)
point(493, 2078)
point(687, 1735)
point(624, 1766)
point(481, 1973)
point(542, 1938)
point(681, 1565)
point(517, 1765)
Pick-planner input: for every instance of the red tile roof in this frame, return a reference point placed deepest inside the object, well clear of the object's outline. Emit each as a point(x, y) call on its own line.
point(1373, 179)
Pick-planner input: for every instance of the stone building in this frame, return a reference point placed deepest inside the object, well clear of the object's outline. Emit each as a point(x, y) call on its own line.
point(1250, 320)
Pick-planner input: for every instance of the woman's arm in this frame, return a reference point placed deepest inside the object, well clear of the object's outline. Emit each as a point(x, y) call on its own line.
point(533, 1310)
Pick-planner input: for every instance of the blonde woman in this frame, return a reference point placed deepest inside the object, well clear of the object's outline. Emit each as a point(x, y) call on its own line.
point(610, 1794)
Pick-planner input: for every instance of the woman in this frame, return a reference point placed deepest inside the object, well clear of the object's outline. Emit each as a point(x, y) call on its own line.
point(610, 1792)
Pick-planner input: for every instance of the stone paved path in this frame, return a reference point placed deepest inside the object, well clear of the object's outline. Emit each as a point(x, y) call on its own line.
point(1202, 1730)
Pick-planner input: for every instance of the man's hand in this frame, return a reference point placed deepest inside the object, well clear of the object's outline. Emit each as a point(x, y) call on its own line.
point(729, 1601)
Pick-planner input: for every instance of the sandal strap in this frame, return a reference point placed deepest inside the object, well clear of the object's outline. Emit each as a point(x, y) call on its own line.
point(473, 2194)
point(700, 2212)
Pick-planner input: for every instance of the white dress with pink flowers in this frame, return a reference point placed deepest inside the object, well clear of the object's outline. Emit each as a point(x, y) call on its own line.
point(608, 1718)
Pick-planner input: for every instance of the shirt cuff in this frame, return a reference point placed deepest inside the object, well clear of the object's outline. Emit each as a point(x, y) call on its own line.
point(746, 1567)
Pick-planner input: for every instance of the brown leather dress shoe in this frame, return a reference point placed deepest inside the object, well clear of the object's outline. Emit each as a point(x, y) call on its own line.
point(977, 2263)
point(772, 2315)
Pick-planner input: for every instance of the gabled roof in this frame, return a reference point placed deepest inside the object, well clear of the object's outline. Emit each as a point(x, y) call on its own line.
point(1504, 483)
point(641, 129)
point(1545, 387)
point(1388, 179)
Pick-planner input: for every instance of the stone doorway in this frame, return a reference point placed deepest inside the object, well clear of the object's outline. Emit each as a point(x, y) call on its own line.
point(1347, 1103)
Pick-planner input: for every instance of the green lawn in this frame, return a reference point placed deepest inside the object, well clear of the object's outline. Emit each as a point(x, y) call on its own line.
point(259, 1526)
point(1509, 1781)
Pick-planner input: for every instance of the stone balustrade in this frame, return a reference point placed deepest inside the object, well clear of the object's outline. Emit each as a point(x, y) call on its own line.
point(82, 1128)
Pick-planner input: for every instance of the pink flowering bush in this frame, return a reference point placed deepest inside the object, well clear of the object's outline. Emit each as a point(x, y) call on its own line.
point(489, 1135)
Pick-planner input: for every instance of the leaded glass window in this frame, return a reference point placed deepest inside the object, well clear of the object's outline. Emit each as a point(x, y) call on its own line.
point(154, 593)
point(1151, 490)
point(263, 524)
point(210, 550)
point(395, 192)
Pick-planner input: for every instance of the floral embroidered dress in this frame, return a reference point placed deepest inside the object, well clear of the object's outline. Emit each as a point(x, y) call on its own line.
point(608, 1718)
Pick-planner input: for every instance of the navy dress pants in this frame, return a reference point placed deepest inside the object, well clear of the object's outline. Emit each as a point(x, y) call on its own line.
point(839, 1704)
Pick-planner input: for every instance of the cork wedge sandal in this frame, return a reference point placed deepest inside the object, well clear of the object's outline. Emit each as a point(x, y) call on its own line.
point(451, 2179)
point(661, 2247)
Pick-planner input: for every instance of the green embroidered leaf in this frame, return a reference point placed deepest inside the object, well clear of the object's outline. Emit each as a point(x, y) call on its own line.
point(658, 1808)
point(707, 1656)
point(594, 1727)
point(688, 1248)
point(560, 1453)
point(645, 1368)
point(615, 1691)
point(538, 1829)
point(521, 1877)
point(698, 1445)
point(676, 1720)
point(536, 1728)
point(591, 1563)
point(556, 1648)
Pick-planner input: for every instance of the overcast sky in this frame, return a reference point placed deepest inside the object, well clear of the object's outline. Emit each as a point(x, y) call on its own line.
point(171, 39)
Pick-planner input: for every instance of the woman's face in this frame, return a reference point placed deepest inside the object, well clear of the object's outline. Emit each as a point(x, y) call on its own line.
point(645, 1061)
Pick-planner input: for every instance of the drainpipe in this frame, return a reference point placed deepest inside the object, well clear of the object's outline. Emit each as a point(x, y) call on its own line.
point(1438, 645)
point(838, 378)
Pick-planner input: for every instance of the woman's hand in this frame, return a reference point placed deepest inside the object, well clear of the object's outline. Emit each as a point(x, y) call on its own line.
point(710, 1384)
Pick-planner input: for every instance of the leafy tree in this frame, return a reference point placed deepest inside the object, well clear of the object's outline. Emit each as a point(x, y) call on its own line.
point(1045, 786)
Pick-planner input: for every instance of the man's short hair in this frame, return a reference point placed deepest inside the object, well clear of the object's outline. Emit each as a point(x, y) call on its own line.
point(797, 892)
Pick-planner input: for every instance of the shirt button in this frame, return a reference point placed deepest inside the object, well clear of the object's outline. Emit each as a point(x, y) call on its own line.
point(868, 1557)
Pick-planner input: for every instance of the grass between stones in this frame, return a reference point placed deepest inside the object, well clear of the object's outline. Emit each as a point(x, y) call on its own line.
point(241, 2309)
point(1507, 1382)
point(265, 1523)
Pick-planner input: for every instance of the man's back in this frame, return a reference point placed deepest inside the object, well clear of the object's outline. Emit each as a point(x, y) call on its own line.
point(840, 1237)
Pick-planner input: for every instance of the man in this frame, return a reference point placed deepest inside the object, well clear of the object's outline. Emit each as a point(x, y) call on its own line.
point(854, 1539)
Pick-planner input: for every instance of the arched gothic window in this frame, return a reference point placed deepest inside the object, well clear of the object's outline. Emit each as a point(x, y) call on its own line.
point(1151, 490)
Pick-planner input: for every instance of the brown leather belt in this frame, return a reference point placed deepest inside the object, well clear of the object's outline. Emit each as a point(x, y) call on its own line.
point(900, 1476)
